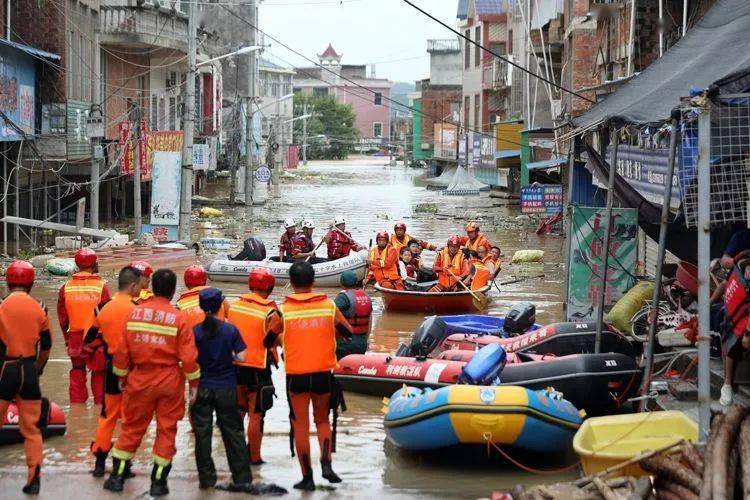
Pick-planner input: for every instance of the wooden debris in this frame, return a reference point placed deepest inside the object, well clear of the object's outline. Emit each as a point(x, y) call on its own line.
point(745, 456)
point(605, 490)
point(705, 493)
point(693, 458)
point(677, 489)
point(642, 489)
point(724, 442)
point(672, 470)
point(732, 465)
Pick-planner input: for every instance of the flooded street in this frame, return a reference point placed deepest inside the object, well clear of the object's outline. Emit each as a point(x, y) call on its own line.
point(372, 196)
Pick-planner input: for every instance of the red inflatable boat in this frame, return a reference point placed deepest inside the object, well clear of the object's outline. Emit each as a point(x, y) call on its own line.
point(594, 382)
point(51, 422)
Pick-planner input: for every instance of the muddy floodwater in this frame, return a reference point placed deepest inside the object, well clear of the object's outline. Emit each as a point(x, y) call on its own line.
point(372, 196)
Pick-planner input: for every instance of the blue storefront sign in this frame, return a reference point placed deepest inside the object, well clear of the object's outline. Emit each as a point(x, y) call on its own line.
point(541, 199)
point(646, 170)
point(17, 92)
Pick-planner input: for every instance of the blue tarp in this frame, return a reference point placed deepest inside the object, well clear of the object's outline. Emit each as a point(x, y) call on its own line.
point(477, 323)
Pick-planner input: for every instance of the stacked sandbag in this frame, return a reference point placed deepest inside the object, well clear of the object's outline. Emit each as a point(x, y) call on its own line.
point(624, 309)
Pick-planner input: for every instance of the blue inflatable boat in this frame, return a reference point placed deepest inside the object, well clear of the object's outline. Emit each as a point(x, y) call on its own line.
point(477, 324)
point(479, 411)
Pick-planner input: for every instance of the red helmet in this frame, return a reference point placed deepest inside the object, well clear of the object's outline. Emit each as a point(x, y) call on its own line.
point(195, 276)
point(20, 273)
point(261, 278)
point(472, 226)
point(85, 258)
point(454, 240)
point(400, 225)
point(144, 267)
point(382, 234)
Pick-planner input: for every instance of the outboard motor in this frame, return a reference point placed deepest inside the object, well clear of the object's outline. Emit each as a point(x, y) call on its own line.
point(427, 337)
point(520, 318)
point(485, 367)
point(252, 249)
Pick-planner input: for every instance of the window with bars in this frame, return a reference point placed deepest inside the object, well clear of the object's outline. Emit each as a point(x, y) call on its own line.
point(467, 49)
point(477, 50)
point(477, 112)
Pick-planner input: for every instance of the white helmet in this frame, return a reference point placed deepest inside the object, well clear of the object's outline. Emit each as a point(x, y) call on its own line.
point(339, 219)
point(308, 224)
point(289, 222)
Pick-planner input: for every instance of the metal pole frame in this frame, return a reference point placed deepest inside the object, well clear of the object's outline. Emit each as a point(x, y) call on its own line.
point(704, 258)
point(188, 125)
point(647, 362)
point(568, 221)
point(252, 95)
point(614, 140)
point(137, 216)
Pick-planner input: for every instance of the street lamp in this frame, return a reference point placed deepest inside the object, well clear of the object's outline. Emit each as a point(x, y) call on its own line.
point(243, 50)
point(283, 98)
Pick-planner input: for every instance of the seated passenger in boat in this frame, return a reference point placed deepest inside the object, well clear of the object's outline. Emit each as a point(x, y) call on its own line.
point(286, 245)
point(479, 273)
point(303, 244)
point(486, 259)
point(424, 274)
point(383, 264)
point(450, 266)
point(406, 268)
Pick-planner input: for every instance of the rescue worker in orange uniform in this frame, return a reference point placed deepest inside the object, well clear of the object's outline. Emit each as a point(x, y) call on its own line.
point(312, 324)
point(25, 343)
point(474, 238)
point(383, 264)
point(146, 272)
point(259, 322)
point(479, 275)
point(399, 238)
point(79, 300)
point(450, 266)
point(195, 278)
point(339, 241)
point(106, 332)
point(156, 353)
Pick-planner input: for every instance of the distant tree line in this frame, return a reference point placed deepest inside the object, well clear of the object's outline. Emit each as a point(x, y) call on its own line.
point(331, 119)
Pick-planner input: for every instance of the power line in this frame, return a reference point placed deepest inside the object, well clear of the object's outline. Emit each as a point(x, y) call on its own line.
point(509, 61)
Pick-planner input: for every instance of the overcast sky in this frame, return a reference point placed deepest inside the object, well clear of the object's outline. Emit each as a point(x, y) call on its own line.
point(389, 33)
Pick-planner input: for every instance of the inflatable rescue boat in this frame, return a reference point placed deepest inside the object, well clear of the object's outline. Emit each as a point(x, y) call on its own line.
point(51, 422)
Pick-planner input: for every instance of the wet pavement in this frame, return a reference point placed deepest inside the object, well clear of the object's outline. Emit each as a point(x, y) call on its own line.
point(372, 196)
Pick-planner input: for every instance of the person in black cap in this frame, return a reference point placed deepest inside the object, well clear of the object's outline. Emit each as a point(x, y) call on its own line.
point(219, 344)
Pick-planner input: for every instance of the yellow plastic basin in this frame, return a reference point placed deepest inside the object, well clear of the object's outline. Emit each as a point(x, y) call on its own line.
point(602, 442)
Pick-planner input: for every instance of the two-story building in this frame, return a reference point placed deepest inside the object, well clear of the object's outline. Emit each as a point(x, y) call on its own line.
point(276, 108)
point(350, 84)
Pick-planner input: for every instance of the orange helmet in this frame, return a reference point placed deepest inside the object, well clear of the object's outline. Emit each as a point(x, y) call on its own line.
point(195, 276)
point(261, 278)
point(144, 267)
point(85, 258)
point(20, 273)
point(472, 226)
point(454, 240)
point(382, 234)
point(400, 225)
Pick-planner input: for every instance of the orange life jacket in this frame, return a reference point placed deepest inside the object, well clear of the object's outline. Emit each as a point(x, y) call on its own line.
point(190, 306)
point(481, 276)
point(399, 244)
point(479, 241)
point(389, 273)
point(455, 265)
point(250, 315)
point(309, 333)
point(83, 294)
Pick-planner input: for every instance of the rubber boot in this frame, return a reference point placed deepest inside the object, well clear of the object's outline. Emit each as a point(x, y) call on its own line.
point(328, 473)
point(307, 483)
point(32, 487)
point(159, 476)
point(128, 473)
point(100, 464)
point(116, 480)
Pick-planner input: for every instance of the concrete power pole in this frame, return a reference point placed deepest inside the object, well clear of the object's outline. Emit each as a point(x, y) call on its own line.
point(137, 169)
point(94, 209)
point(304, 136)
point(252, 94)
point(188, 125)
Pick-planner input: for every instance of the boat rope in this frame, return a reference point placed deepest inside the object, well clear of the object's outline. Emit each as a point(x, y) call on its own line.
point(487, 436)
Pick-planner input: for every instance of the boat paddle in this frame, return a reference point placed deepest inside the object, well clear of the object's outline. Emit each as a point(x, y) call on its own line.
point(307, 259)
point(480, 301)
point(348, 236)
point(369, 249)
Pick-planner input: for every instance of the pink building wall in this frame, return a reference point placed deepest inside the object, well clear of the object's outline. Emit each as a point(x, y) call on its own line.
point(367, 112)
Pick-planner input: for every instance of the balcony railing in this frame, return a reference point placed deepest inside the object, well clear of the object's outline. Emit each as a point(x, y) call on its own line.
point(495, 75)
point(146, 26)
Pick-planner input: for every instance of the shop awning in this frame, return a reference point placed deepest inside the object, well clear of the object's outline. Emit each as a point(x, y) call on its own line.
point(715, 51)
point(32, 51)
point(554, 162)
point(507, 153)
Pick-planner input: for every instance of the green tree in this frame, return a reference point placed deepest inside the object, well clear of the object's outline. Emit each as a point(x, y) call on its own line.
point(330, 119)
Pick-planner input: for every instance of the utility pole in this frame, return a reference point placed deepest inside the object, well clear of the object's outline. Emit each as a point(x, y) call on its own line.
point(188, 125)
point(406, 141)
point(252, 94)
point(234, 158)
point(304, 137)
point(137, 169)
point(94, 137)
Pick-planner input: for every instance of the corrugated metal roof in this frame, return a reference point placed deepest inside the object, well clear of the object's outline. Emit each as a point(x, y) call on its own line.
point(33, 51)
point(489, 7)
